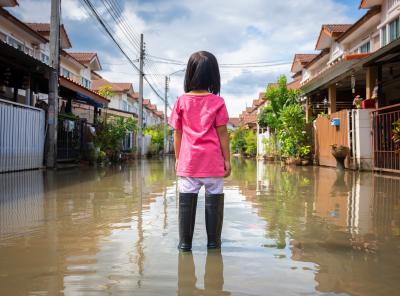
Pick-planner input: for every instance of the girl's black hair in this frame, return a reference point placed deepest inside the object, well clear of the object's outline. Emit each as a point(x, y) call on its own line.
point(202, 73)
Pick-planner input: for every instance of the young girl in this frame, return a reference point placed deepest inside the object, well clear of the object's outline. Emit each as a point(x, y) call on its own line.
point(201, 144)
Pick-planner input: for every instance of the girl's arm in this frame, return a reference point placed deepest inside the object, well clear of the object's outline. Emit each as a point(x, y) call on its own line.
point(177, 144)
point(224, 141)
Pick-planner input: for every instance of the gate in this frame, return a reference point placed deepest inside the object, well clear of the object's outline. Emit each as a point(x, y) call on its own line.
point(22, 134)
point(384, 150)
point(326, 135)
point(69, 138)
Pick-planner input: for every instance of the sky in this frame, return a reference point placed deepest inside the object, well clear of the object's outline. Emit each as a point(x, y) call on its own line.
point(235, 31)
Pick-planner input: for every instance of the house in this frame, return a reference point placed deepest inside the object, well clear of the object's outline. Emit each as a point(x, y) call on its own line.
point(23, 76)
point(233, 123)
point(24, 73)
point(355, 60)
point(76, 75)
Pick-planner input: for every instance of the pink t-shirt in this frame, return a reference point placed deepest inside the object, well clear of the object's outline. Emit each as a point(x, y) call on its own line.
point(197, 116)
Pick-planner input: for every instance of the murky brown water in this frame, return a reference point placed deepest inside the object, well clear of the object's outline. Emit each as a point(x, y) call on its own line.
point(113, 231)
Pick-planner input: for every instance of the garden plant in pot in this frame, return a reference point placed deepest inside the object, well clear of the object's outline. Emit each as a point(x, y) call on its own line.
point(269, 148)
point(396, 135)
point(305, 153)
point(340, 153)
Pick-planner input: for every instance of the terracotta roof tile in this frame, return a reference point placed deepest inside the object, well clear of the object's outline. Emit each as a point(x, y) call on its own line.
point(115, 86)
point(146, 102)
point(44, 29)
point(336, 28)
point(235, 121)
point(83, 57)
point(295, 84)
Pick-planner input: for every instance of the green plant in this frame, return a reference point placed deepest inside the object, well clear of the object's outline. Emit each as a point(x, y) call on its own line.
point(251, 143)
point(244, 141)
point(111, 132)
point(270, 146)
point(106, 91)
point(396, 135)
point(278, 97)
point(292, 135)
point(305, 150)
point(157, 138)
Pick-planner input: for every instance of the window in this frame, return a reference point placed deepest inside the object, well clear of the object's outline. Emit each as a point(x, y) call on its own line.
point(65, 73)
point(365, 48)
point(384, 36)
point(394, 30)
point(15, 43)
point(44, 58)
point(85, 82)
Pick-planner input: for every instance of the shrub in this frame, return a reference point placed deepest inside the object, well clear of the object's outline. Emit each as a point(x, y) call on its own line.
point(110, 134)
point(157, 138)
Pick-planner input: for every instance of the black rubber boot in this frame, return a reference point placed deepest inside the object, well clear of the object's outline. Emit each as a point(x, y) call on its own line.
point(187, 218)
point(214, 218)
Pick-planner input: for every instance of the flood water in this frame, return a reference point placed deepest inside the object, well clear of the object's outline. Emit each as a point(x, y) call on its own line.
point(113, 231)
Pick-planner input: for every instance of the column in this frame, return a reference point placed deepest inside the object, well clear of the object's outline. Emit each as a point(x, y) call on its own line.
point(332, 99)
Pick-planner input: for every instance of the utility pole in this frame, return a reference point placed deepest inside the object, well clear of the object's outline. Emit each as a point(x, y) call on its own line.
point(165, 116)
point(141, 76)
point(52, 113)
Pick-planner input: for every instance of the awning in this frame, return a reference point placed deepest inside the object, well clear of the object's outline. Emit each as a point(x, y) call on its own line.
point(383, 54)
point(71, 88)
point(335, 73)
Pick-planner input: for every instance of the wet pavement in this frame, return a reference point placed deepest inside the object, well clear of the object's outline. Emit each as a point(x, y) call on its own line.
point(113, 231)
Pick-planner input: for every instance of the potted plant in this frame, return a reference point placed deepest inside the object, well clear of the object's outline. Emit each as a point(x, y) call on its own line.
point(357, 102)
point(340, 153)
point(269, 147)
point(396, 135)
point(305, 152)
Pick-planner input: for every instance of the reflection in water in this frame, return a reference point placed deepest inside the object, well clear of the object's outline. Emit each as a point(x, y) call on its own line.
point(213, 275)
point(113, 231)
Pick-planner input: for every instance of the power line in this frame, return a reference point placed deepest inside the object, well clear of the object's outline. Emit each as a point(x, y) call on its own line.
point(104, 26)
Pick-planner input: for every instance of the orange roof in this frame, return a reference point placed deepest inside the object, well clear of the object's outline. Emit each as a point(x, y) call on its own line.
point(160, 114)
point(44, 30)
point(70, 84)
point(336, 28)
point(235, 121)
point(153, 107)
point(146, 102)
point(317, 58)
point(295, 84)
point(115, 86)
point(84, 57)
point(332, 30)
point(261, 95)
point(303, 59)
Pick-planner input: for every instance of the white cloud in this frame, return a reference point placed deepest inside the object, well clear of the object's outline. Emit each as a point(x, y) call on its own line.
point(235, 31)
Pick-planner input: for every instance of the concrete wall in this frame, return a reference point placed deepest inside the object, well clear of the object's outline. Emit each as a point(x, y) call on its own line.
point(362, 139)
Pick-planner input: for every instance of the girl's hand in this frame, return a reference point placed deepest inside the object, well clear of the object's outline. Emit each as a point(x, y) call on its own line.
point(227, 169)
point(176, 164)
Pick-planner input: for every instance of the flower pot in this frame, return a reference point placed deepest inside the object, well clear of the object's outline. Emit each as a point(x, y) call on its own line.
point(368, 104)
point(340, 153)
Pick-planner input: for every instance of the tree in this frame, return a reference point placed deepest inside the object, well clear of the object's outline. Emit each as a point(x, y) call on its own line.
point(279, 97)
point(106, 91)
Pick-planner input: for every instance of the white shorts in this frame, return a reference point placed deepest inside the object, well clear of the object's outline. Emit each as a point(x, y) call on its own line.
point(192, 185)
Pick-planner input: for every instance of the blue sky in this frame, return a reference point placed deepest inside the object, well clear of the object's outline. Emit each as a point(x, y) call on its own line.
point(235, 31)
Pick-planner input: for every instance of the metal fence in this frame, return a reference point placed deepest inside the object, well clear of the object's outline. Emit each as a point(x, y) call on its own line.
point(385, 156)
point(22, 136)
